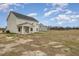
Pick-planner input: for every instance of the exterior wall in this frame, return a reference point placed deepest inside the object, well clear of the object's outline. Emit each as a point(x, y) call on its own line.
point(34, 24)
point(1, 31)
point(36, 27)
point(24, 27)
point(13, 21)
point(11, 24)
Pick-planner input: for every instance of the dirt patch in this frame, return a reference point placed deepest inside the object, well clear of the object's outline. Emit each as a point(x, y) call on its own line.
point(34, 53)
point(23, 41)
point(54, 43)
point(60, 55)
point(58, 46)
point(33, 45)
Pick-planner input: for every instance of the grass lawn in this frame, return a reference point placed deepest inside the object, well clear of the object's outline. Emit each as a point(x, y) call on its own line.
point(50, 43)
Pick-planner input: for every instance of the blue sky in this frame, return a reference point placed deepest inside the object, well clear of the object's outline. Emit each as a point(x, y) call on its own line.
point(53, 14)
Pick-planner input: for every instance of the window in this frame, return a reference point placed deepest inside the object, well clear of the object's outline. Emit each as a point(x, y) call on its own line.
point(31, 29)
point(19, 29)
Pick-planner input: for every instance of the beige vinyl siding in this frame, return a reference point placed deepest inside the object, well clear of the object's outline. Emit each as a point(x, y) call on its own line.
point(34, 26)
point(11, 24)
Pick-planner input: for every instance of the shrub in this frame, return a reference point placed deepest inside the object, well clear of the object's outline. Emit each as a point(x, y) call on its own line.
point(7, 31)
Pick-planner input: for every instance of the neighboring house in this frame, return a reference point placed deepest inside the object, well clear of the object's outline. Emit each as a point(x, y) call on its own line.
point(42, 27)
point(22, 24)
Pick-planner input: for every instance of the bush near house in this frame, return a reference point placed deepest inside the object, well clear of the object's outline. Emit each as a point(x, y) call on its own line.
point(2, 30)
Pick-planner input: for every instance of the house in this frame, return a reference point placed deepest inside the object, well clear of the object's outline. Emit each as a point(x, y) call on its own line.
point(0, 30)
point(42, 27)
point(22, 24)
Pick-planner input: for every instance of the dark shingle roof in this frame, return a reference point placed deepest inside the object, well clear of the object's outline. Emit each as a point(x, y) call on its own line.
point(21, 16)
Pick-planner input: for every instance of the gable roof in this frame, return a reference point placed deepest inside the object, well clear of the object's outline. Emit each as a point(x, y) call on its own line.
point(21, 16)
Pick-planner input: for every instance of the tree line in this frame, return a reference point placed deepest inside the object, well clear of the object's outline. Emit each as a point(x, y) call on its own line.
point(62, 28)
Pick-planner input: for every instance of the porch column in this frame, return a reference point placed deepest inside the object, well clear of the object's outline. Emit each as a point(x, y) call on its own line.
point(22, 29)
point(29, 30)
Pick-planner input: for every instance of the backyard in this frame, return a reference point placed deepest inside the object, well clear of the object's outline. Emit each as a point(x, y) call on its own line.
point(50, 43)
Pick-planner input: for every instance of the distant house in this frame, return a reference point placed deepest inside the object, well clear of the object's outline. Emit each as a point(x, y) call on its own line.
point(42, 27)
point(22, 24)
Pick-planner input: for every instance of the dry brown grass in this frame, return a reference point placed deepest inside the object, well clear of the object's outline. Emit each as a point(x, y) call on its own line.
point(50, 43)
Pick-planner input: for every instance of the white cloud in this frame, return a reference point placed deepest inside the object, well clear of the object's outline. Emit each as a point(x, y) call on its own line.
point(16, 4)
point(11, 9)
point(45, 9)
point(61, 5)
point(60, 23)
point(64, 14)
point(45, 22)
point(64, 17)
point(57, 8)
point(32, 14)
point(68, 12)
point(61, 19)
point(6, 7)
point(49, 13)
point(52, 19)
